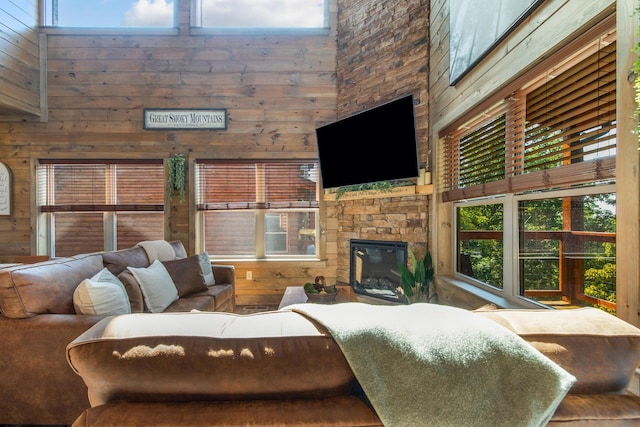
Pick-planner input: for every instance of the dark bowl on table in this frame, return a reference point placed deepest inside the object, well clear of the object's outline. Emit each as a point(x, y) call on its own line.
point(323, 298)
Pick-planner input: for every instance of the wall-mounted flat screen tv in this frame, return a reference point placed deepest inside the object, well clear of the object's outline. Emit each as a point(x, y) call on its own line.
point(375, 145)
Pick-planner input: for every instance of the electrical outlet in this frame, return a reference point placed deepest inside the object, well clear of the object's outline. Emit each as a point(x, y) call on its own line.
point(249, 275)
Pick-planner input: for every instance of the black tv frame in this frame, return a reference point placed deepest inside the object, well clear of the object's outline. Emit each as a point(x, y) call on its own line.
point(378, 144)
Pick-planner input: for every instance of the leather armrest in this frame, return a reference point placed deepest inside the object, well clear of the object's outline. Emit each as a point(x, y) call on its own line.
point(224, 274)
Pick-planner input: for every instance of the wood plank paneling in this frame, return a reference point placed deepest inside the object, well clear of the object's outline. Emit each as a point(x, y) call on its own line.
point(627, 171)
point(277, 88)
point(20, 58)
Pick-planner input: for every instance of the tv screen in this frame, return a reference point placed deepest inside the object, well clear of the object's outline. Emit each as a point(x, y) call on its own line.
point(375, 145)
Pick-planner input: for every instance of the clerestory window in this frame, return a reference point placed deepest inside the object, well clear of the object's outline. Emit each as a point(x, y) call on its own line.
point(260, 13)
point(258, 209)
point(233, 15)
point(108, 14)
point(94, 206)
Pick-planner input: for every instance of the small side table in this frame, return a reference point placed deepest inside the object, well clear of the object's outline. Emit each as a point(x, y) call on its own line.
point(295, 295)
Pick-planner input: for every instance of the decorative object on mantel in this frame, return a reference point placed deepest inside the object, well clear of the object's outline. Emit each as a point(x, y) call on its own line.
point(424, 178)
point(177, 176)
point(6, 187)
point(185, 119)
point(416, 284)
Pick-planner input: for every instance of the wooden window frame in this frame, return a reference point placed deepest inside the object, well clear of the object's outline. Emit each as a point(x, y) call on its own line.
point(47, 207)
point(256, 199)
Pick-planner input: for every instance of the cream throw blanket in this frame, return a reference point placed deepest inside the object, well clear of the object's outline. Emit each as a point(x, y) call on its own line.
point(160, 250)
point(432, 365)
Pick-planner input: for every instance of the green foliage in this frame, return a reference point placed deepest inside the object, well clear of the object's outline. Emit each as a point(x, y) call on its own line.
point(416, 284)
point(539, 264)
point(486, 254)
point(177, 176)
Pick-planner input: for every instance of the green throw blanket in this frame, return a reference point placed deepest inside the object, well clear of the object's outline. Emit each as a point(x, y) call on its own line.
point(433, 365)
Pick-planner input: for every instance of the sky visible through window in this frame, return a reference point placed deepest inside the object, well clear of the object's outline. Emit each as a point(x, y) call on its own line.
point(212, 13)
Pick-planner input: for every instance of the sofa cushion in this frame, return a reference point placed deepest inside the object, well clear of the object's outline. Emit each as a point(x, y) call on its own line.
point(209, 356)
point(599, 349)
point(343, 411)
point(46, 287)
point(103, 294)
point(136, 299)
point(156, 285)
point(178, 248)
point(186, 275)
point(192, 303)
point(219, 293)
point(118, 261)
point(205, 266)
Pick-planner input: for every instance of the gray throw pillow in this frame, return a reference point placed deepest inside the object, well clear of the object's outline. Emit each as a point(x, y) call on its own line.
point(156, 285)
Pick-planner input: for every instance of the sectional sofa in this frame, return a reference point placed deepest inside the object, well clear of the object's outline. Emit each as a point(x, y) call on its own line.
point(196, 363)
point(46, 305)
point(292, 367)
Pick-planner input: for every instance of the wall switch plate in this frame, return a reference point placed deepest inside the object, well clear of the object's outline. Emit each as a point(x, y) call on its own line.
point(249, 275)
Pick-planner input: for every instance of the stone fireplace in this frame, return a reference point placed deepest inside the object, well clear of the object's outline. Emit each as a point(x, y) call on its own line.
point(373, 268)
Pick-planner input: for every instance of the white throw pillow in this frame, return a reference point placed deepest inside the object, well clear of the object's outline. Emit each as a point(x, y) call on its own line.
point(105, 275)
point(156, 285)
point(102, 295)
point(205, 266)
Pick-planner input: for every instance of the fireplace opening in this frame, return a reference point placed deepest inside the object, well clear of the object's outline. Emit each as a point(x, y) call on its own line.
point(373, 268)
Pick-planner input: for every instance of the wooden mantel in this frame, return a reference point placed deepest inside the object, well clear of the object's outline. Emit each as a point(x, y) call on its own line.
point(379, 194)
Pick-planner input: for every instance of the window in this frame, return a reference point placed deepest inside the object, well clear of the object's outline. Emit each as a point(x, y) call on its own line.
point(258, 209)
point(260, 13)
point(88, 207)
point(480, 242)
point(562, 251)
point(557, 131)
point(228, 14)
point(531, 179)
point(567, 249)
point(111, 14)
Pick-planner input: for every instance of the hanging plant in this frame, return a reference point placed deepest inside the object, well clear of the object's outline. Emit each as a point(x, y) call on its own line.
point(177, 176)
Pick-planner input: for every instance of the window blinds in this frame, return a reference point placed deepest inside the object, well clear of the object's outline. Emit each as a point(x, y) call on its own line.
point(560, 133)
point(228, 185)
point(70, 186)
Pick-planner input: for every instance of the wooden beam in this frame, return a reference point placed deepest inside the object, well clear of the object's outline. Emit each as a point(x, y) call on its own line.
point(627, 169)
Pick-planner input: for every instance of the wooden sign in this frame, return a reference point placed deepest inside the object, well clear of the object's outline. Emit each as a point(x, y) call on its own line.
point(185, 119)
point(5, 190)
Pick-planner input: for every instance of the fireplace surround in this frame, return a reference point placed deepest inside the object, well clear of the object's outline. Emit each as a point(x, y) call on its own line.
point(373, 268)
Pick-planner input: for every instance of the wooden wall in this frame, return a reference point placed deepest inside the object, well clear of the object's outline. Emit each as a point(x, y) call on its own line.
point(19, 100)
point(627, 169)
point(383, 54)
point(277, 89)
point(20, 57)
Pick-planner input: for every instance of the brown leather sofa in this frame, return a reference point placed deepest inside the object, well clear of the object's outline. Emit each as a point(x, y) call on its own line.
point(280, 368)
point(38, 321)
